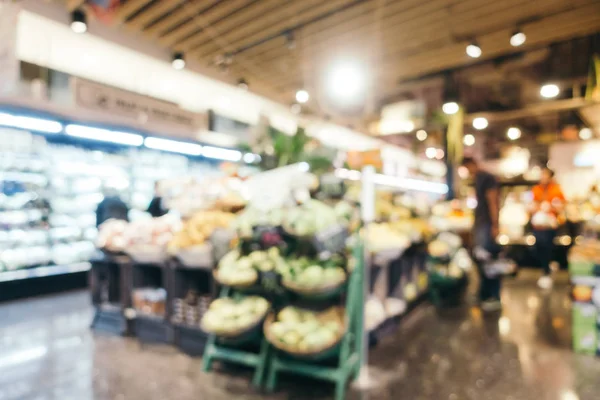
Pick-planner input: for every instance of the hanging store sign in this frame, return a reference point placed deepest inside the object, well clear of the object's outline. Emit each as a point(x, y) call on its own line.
point(136, 107)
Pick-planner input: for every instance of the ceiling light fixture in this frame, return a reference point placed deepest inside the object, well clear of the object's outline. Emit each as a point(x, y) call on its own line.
point(30, 123)
point(430, 152)
point(513, 133)
point(473, 50)
point(302, 96)
point(174, 146)
point(104, 135)
point(78, 21)
point(480, 123)
point(585, 134)
point(549, 91)
point(450, 107)
point(469, 140)
point(178, 61)
point(346, 82)
point(421, 135)
point(518, 38)
point(221, 154)
point(242, 84)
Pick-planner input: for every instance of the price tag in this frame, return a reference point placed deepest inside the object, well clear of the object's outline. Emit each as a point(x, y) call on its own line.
point(221, 242)
point(331, 240)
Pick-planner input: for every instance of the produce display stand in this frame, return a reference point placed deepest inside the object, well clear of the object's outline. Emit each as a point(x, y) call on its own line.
point(236, 353)
point(350, 351)
point(190, 338)
point(109, 278)
point(148, 327)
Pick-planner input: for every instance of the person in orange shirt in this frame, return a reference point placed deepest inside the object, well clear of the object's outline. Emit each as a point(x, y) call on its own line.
point(549, 201)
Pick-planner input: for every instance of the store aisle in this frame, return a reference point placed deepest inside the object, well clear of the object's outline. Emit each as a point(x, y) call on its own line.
point(47, 352)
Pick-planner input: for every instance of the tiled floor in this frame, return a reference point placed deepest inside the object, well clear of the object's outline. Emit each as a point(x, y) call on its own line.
point(48, 352)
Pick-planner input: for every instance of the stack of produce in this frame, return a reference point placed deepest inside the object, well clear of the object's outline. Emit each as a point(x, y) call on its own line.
point(382, 237)
point(311, 276)
point(228, 317)
point(300, 331)
point(197, 230)
point(154, 233)
point(189, 309)
point(189, 196)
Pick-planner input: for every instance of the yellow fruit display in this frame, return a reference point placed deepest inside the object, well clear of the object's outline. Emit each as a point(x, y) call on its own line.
point(197, 230)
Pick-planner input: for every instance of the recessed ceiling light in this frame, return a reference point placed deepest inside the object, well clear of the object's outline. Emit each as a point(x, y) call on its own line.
point(469, 140)
point(480, 123)
point(178, 61)
point(549, 91)
point(302, 96)
point(585, 134)
point(450, 107)
point(513, 133)
point(517, 39)
point(473, 50)
point(421, 135)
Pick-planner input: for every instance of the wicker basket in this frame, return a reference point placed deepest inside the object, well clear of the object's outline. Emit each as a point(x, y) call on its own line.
point(323, 292)
point(146, 254)
point(200, 257)
point(319, 354)
point(245, 285)
point(239, 336)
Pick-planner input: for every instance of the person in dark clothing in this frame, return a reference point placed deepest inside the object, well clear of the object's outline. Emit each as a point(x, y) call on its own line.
point(485, 229)
point(111, 207)
point(156, 207)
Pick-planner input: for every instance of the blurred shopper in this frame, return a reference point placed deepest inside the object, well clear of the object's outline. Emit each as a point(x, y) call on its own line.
point(156, 207)
point(111, 207)
point(485, 230)
point(548, 203)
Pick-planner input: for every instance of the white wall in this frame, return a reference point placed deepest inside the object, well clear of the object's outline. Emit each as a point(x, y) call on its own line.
point(576, 180)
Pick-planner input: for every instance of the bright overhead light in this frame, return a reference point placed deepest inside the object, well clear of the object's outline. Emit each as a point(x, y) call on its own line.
point(31, 123)
point(346, 82)
point(302, 96)
point(250, 158)
point(473, 50)
point(104, 135)
point(517, 39)
point(421, 135)
point(439, 154)
point(174, 146)
point(469, 140)
point(480, 123)
point(585, 134)
point(178, 61)
point(513, 133)
point(430, 152)
point(549, 91)
point(78, 22)
point(450, 107)
point(221, 154)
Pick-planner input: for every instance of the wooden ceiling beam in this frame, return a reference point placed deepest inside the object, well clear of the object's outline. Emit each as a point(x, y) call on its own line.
point(128, 9)
point(249, 13)
point(154, 12)
point(178, 16)
point(273, 26)
point(221, 11)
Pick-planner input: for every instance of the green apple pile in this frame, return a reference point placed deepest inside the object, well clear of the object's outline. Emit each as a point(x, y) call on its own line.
point(305, 331)
point(309, 218)
point(234, 270)
point(228, 316)
point(311, 275)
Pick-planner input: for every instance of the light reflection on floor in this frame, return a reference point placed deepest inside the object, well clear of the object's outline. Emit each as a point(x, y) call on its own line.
point(47, 352)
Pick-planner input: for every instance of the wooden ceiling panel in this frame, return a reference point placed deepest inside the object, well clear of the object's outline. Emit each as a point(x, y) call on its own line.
point(155, 11)
point(271, 22)
point(222, 11)
point(399, 39)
